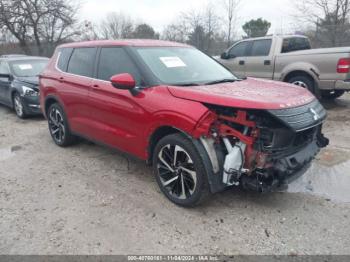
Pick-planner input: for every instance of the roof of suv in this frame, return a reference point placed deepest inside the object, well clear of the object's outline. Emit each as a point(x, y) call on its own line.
point(126, 42)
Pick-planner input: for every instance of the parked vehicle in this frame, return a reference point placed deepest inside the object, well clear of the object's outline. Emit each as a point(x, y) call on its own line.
point(201, 128)
point(19, 83)
point(325, 72)
point(12, 56)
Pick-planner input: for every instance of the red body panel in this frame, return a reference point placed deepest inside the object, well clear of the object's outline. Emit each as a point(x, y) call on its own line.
point(251, 93)
point(119, 119)
point(97, 110)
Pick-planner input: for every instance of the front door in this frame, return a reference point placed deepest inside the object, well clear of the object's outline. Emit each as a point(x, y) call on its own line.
point(116, 115)
point(236, 59)
point(259, 62)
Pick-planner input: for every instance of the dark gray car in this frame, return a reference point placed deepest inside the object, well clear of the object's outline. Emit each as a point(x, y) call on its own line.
point(19, 83)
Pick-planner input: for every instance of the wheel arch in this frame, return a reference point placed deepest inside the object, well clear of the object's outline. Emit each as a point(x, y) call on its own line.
point(157, 135)
point(295, 73)
point(214, 180)
point(13, 92)
point(50, 100)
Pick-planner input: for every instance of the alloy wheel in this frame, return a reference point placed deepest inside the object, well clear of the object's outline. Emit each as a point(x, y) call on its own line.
point(176, 172)
point(18, 105)
point(56, 125)
point(301, 84)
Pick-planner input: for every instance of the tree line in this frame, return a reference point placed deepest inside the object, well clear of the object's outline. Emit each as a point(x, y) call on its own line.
point(45, 24)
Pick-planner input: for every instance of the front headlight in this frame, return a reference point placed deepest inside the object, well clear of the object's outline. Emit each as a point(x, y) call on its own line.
point(28, 91)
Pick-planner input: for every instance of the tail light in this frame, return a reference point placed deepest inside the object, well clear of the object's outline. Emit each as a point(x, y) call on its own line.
point(343, 66)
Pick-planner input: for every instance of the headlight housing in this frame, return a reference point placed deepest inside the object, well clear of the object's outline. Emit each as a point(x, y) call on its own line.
point(28, 91)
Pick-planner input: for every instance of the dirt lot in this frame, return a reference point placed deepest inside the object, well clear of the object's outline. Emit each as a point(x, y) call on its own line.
point(90, 200)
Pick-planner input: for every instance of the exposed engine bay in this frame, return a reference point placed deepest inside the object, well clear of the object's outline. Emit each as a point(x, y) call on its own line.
point(262, 150)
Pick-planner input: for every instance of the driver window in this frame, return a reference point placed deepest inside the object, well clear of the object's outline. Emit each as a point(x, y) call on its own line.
point(239, 50)
point(113, 61)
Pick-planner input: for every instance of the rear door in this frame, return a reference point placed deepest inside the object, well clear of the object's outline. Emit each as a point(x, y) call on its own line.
point(237, 56)
point(5, 83)
point(259, 62)
point(74, 88)
point(116, 115)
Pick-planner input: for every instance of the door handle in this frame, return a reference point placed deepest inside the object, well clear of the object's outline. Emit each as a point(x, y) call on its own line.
point(95, 87)
point(61, 79)
point(242, 62)
point(267, 62)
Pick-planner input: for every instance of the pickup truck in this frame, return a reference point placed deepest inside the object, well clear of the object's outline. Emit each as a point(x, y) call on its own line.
point(290, 58)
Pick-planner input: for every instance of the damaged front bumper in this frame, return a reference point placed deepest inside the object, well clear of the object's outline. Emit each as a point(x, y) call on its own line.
point(285, 170)
point(259, 151)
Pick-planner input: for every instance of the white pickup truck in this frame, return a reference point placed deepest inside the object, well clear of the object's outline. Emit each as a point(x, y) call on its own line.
point(290, 58)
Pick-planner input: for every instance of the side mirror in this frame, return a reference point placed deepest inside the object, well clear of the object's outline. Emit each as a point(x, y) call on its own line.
point(224, 55)
point(5, 77)
point(123, 81)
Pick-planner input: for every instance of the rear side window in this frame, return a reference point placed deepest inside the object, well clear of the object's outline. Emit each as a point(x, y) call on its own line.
point(82, 62)
point(4, 68)
point(239, 49)
point(63, 59)
point(261, 47)
point(295, 44)
point(115, 60)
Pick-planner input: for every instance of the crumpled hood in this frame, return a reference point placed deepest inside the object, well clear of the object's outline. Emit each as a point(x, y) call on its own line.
point(33, 80)
point(251, 93)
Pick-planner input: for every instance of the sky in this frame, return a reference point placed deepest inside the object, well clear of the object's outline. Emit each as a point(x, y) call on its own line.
point(159, 13)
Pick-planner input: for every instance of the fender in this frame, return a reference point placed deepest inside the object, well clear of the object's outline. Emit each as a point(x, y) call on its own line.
point(51, 97)
point(308, 68)
point(171, 119)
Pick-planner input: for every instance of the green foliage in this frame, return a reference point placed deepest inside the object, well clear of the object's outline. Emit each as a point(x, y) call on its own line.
point(145, 31)
point(256, 28)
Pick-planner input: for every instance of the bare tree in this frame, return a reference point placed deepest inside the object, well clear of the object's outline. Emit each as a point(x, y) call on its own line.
point(89, 31)
point(176, 32)
point(231, 8)
point(40, 21)
point(201, 28)
point(12, 19)
point(211, 22)
point(330, 19)
point(117, 25)
point(58, 25)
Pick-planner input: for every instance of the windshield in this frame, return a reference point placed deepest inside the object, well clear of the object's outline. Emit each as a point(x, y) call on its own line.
point(183, 66)
point(28, 68)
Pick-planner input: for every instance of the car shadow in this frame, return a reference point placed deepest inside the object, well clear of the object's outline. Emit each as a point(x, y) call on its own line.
point(337, 104)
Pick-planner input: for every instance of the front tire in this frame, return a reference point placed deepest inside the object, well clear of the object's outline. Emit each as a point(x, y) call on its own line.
point(18, 106)
point(180, 171)
point(58, 126)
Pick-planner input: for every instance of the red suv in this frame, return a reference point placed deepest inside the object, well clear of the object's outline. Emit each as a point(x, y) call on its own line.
point(201, 128)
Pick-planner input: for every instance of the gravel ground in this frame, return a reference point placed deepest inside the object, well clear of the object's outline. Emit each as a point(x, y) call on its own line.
point(90, 200)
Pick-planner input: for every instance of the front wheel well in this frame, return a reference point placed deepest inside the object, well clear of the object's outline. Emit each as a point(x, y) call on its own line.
point(13, 94)
point(157, 135)
point(50, 101)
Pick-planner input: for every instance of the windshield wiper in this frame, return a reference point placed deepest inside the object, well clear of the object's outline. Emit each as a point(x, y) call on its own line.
point(228, 80)
point(187, 84)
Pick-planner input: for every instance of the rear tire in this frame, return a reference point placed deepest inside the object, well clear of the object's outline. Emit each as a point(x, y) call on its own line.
point(305, 82)
point(333, 94)
point(180, 171)
point(58, 126)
